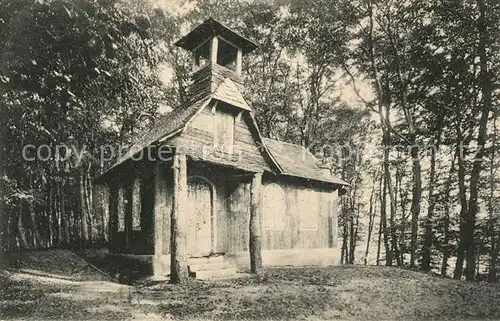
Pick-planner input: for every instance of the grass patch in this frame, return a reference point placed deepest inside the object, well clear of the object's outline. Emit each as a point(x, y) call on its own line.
point(69, 291)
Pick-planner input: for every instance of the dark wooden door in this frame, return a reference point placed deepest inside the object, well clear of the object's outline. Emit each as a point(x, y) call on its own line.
point(200, 204)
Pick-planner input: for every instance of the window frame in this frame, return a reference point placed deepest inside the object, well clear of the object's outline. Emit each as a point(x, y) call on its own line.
point(278, 221)
point(136, 206)
point(306, 206)
point(120, 226)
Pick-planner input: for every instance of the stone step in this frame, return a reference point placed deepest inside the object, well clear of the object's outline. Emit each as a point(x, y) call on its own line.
point(206, 260)
point(214, 274)
point(208, 266)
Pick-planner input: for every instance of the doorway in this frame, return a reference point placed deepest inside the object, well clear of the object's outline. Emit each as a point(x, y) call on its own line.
point(200, 218)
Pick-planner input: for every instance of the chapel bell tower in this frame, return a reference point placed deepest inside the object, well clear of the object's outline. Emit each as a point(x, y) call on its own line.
point(215, 45)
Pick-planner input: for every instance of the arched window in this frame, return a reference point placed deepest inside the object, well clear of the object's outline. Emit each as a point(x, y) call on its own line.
point(121, 210)
point(308, 209)
point(274, 211)
point(136, 208)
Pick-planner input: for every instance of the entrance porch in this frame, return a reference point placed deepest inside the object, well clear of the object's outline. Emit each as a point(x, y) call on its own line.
point(190, 211)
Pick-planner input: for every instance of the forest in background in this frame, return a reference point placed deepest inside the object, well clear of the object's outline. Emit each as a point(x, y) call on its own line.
point(418, 143)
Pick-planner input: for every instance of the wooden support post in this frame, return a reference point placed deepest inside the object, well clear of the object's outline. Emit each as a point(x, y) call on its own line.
point(213, 49)
point(148, 197)
point(239, 55)
point(113, 214)
point(178, 246)
point(255, 226)
point(158, 220)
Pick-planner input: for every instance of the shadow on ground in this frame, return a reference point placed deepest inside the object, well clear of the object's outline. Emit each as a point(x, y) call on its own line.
point(59, 285)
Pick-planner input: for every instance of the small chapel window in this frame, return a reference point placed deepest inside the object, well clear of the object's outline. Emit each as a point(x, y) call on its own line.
point(308, 209)
point(136, 206)
point(121, 210)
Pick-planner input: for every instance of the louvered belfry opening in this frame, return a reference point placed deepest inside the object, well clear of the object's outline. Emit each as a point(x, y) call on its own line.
point(217, 53)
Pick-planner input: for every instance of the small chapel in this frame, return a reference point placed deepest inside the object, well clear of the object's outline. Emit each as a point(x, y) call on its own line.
point(222, 198)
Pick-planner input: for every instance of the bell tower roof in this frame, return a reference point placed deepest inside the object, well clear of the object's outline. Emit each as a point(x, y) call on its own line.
point(217, 62)
point(211, 28)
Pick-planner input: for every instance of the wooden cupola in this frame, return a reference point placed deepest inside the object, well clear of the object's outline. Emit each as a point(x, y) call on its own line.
point(212, 44)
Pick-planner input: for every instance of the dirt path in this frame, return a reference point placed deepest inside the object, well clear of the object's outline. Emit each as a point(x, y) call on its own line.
point(59, 286)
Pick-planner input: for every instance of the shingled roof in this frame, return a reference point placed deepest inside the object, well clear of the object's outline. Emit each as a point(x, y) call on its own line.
point(211, 27)
point(298, 161)
point(292, 160)
point(167, 126)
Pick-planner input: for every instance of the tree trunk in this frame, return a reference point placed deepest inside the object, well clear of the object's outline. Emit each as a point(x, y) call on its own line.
point(344, 253)
point(494, 248)
point(50, 212)
point(388, 189)
point(83, 209)
point(380, 225)
point(36, 234)
point(178, 246)
point(255, 227)
point(417, 195)
point(355, 236)
point(352, 236)
point(57, 206)
point(412, 140)
point(354, 210)
point(65, 216)
point(383, 217)
point(371, 220)
point(462, 243)
point(50, 237)
point(88, 203)
point(426, 248)
point(447, 207)
point(492, 268)
point(384, 122)
point(404, 219)
point(394, 235)
point(20, 227)
point(486, 90)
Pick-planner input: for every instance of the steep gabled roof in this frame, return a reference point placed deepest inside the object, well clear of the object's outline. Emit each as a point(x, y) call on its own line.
point(298, 161)
point(168, 125)
point(288, 159)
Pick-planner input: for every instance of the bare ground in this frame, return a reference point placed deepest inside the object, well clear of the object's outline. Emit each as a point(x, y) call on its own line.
point(57, 284)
